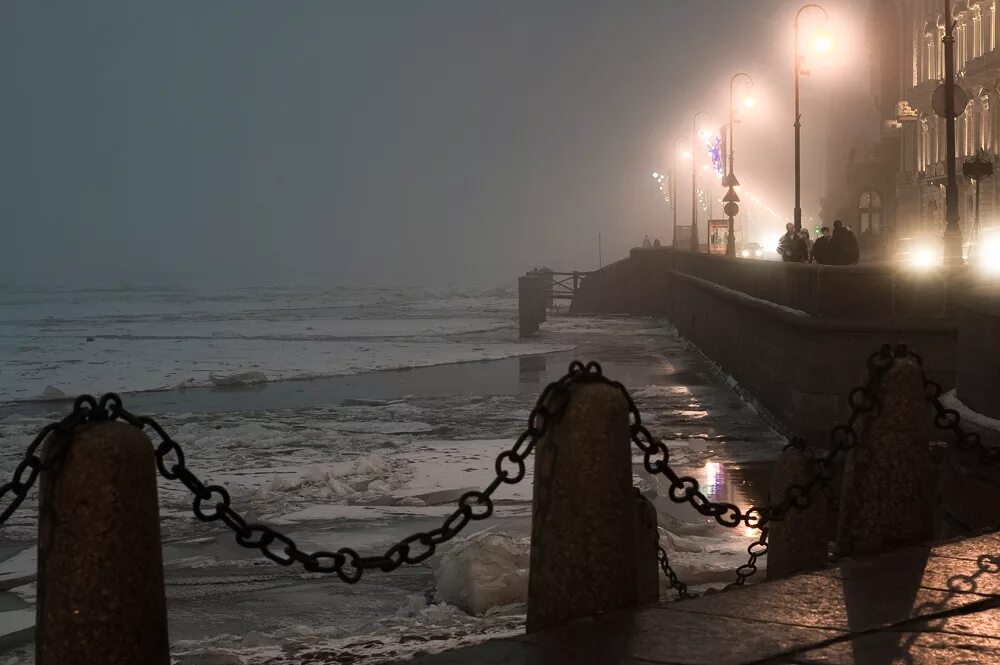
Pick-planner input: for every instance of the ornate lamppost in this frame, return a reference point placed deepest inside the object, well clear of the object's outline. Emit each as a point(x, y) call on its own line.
point(694, 180)
point(952, 230)
point(731, 198)
point(797, 216)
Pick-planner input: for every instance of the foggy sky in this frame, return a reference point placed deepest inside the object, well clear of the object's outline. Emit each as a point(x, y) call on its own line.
point(414, 141)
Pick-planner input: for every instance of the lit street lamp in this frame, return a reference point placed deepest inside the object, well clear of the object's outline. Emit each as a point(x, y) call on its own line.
point(694, 180)
point(822, 45)
point(732, 200)
point(673, 190)
point(670, 195)
point(952, 231)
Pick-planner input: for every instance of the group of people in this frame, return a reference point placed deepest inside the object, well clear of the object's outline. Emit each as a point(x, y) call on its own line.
point(839, 248)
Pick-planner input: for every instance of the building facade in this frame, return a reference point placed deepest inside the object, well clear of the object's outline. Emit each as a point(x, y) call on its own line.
point(893, 185)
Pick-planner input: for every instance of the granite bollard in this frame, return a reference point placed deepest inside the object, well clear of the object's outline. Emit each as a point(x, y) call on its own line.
point(100, 561)
point(586, 556)
point(889, 479)
point(801, 540)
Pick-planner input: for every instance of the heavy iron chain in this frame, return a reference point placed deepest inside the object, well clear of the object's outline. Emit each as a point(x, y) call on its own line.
point(951, 420)
point(32, 465)
point(664, 562)
point(212, 502)
point(843, 437)
point(510, 469)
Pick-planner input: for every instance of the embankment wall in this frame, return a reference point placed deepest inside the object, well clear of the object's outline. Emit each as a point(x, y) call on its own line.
point(794, 336)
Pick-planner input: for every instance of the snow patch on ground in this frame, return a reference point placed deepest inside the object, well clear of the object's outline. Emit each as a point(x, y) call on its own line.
point(950, 400)
point(483, 571)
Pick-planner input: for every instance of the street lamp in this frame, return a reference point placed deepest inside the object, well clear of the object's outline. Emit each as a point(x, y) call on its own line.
point(952, 231)
point(732, 200)
point(673, 190)
point(822, 45)
point(694, 180)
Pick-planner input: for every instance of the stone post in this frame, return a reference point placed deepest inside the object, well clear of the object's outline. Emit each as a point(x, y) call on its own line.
point(889, 479)
point(100, 561)
point(647, 543)
point(801, 540)
point(590, 549)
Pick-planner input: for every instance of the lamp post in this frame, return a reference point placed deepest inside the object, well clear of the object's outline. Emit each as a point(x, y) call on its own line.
point(952, 231)
point(797, 216)
point(731, 182)
point(694, 180)
point(673, 189)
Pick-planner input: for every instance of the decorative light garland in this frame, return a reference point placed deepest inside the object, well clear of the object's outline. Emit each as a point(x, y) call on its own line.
point(713, 143)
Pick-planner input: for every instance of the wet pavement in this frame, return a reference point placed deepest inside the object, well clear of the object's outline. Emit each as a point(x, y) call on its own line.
point(916, 605)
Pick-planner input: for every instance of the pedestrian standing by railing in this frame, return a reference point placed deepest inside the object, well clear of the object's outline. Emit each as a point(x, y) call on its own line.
point(844, 246)
point(821, 251)
point(792, 247)
point(804, 233)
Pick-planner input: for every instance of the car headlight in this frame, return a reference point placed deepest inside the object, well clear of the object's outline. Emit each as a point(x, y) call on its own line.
point(759, 252)
point(745, 253)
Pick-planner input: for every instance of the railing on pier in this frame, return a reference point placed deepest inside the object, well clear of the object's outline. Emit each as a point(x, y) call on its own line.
point(566, 284)
point(100, 577)
point(540, 291)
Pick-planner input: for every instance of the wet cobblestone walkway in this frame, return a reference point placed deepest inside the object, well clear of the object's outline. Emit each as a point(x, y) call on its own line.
point(915, 605)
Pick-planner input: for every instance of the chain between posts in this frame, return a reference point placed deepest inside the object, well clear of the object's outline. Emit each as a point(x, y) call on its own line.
point(213, 503)
point(951, 420)
point(84, 408)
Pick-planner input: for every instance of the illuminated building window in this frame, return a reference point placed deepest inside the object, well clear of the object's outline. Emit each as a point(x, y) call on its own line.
point(931, 60)
point(924, 143)
point(987, 125)
point(962, 43)
point(993, 25)
point(977, 33)
point(938, 73)
point(870, 212)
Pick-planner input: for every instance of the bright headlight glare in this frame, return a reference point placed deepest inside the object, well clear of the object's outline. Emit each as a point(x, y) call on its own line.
point(989, 256)
point(924, 258)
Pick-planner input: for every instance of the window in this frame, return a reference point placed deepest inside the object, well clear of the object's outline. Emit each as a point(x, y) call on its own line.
point(968, 131)
point(923, 145)
point(958, 49)
point(993, 25)
point(977, 32)
point(985, 123)
point(870, 211)
point(939, 72)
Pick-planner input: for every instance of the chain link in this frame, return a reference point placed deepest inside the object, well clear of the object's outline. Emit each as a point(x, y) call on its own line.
point(664, 562)
point(951, 420)
point(84, 408)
